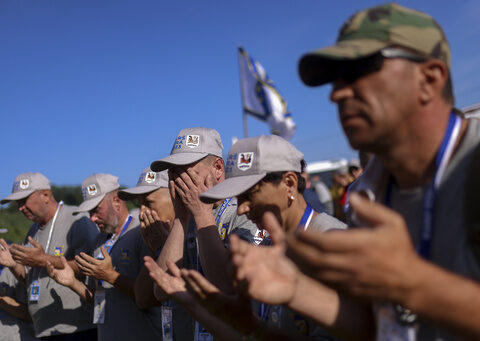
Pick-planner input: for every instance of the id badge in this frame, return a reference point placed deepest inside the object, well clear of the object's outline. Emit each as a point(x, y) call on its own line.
point(35, 291)
point(167, 330)
point(388, 327)
point(99, 307)
point(201, 334)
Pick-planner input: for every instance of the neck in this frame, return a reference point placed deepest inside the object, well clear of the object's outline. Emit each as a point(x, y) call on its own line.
point(294, 214)
point(121, 222)
point(49, 213)
point(411, 161)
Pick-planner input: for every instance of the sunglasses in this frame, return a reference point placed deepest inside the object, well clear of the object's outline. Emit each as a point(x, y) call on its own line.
point(349, 71)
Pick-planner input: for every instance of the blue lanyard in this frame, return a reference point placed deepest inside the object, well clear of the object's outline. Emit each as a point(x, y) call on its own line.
point(304, 221)
point(443, 155)
point(307, 216)
point(111, 242)
point(222, 209)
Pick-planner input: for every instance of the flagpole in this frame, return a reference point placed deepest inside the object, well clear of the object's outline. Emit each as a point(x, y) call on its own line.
point(245, 126)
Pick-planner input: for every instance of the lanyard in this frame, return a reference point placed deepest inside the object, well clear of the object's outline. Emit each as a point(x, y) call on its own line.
point(60, 204)
point(222, 209)
point(111, 242)
point(306, 217)
point(303, 225)
point(36, 272)
point(441, 161)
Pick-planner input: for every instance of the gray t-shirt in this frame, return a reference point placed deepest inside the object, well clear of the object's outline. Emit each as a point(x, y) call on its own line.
point(450, 244)
point(59, 310)
point(12, 328)
point(123, 319)
point(228, 222)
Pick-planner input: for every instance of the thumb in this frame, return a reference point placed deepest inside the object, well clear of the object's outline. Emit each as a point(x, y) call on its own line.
point(64, 261)
point(104, 252)
point(374, 214)
point(34, 242)
point(271, 224)
point(4, 244)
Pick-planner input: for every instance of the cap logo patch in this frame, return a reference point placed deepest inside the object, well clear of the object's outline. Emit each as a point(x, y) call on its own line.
point(245, 161)
point(24, 183)
point(92, 189)
point(193, 141)
point(150, 177)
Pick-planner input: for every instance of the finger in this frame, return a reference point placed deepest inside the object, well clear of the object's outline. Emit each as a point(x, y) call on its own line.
point(34, 242)
point(271, 224)
point(337, 240)
point(64, 262)
point(192, 286)
point(237, 245)
point(180, 187)
point(173, 268)
point(202, 282)
point(373, 213)
point(83, 263)
point(88, 258)
point(191, 178)
point(104, 253)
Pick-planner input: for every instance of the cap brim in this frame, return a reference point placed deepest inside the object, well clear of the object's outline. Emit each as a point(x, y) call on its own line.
point(230, 187)
point(321, 66)
point(89, 205)
point(133, 192)
point(178, 159)
point(16, 196)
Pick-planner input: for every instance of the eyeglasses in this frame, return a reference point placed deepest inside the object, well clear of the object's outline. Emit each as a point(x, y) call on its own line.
point(349, 71)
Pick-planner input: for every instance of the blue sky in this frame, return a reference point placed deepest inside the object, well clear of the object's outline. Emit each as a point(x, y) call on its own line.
point(105, 86)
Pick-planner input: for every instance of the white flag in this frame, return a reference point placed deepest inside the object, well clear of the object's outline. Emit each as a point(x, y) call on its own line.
point(261, 98)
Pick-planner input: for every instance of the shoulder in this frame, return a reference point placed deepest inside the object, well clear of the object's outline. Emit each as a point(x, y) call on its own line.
point(323, 222)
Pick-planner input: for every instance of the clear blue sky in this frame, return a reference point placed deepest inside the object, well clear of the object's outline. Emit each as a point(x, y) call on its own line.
point(104, 86)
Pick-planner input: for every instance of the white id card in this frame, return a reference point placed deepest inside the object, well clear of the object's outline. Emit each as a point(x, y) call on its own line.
point(389, 329)
point(201, 334)
point(35, 291)
point(167, 331)
point(99, 307)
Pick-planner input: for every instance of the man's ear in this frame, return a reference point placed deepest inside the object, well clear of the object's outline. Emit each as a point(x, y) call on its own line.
point(433, 77)
point(219, 168)
point(116, 201)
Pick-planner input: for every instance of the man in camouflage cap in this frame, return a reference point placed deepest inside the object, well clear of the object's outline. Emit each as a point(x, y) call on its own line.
point(415, 262)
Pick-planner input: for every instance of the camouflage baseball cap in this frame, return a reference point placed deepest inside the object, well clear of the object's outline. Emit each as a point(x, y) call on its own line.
point(371, 30)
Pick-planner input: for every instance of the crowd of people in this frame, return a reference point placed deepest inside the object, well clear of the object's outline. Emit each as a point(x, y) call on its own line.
point(235, 250)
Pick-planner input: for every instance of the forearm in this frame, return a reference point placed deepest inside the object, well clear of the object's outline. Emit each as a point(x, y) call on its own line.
point(144, 297)
point(218, 328)
point(446, 299)
point(122, 283)
point(18, 270)
point(82, 290)
point(173, 248)
point(15, 308)
point(342, 316)
point(214, 258)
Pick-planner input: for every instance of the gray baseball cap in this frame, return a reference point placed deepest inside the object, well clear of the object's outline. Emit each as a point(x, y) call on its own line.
point(191, 145)
point(148, 181)
point(249, 161)
point(25, 184)
point(94, 189)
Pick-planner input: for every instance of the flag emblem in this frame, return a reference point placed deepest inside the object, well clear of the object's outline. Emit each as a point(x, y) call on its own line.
point(245, 160)
point(92, 189)
point(24, 183)
point(150, 177)
point(193, 141)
